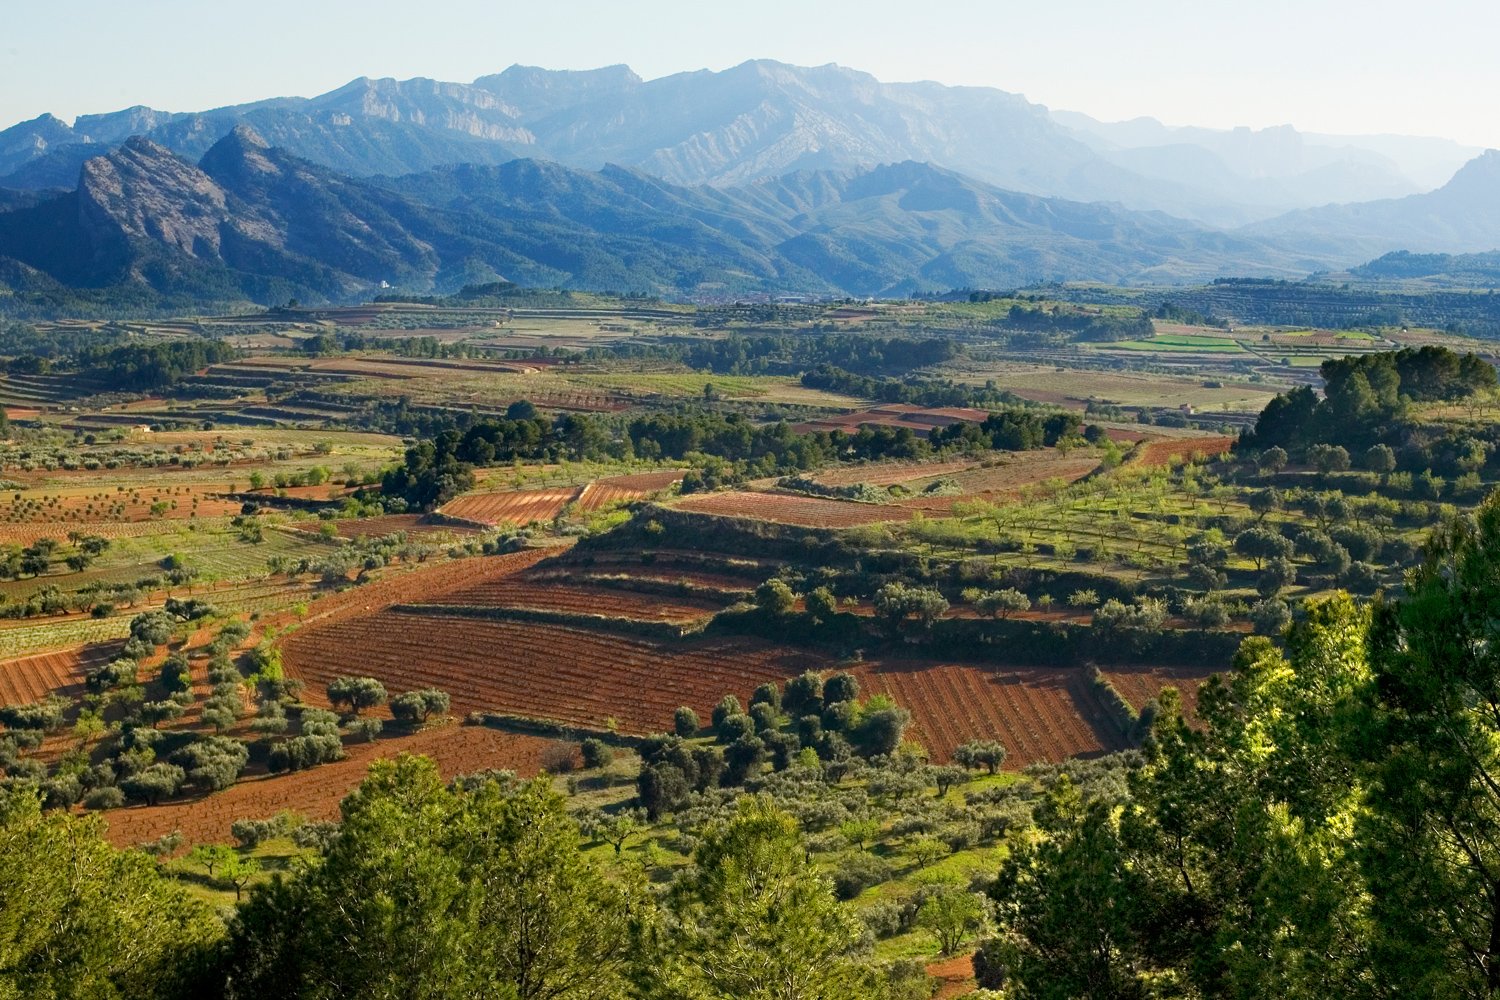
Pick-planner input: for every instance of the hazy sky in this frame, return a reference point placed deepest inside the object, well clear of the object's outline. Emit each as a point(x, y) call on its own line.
point(1322, 65)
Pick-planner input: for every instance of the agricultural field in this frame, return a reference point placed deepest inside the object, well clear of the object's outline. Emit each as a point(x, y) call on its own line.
point(316, 794)
point(787, 508)
point(582, 677)
point(281, 551)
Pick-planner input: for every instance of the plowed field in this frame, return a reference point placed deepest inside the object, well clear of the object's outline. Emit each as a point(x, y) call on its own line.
point(888, 473)
point(32, 678)
point(1162, 452)
point(515, 506)
point(616, 488)
point(1140, 685)
point(543, 595)
point(786, 508)
point(428, 582)
point(537, 670)
point(1036, 712)
point(316, 793)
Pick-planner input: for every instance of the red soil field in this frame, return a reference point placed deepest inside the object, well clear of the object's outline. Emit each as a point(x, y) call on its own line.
point(1038, 713)
point(426, 582)
point(786, 508)
point(316, 793)
point(888, 473)
point(616, 488)
point(516, 506)
point(1140, 685)
point(25, 534)
point(578, 676)
point(74, 507)
point(1163, 451)
point(32, 678)
point(522, 592)
point(955, 976)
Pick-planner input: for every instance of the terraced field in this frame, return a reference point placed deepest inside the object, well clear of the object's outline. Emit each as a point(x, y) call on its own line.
point(32, 678)
point(539, 670)
point(786, 508)
point(514, 507)
point(578, 599)
point(1039, 714)
point(316, 794)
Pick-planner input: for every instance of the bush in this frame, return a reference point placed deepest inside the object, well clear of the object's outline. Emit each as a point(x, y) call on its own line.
point(251, 833)
point(728, 705)
point(767, 694)
point(596, 753)
point(108, 797)
point(857, 872)
point(685, 722)
point(765, 717)
point(736, 727)
point(302, 752)
point(414, 707)
point(841, 687)
point(804, 694)
point(356, 692)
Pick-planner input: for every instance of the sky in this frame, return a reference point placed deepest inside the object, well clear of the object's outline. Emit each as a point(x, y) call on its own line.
point(1322, 65)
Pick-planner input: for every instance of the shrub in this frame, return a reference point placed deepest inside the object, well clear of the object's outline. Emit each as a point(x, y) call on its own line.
point(857, 872)
point(596, 753)
point(414, 707)
point(108, 797)
point(685, 722)
point(728, 705)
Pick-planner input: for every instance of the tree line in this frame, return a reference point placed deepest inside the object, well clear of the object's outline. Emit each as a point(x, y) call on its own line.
point(1366, 398)
point(723, 447)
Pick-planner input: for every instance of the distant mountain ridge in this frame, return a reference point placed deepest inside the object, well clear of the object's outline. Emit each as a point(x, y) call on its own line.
point(1462, 216)
point(254, 221)
point(758, 120)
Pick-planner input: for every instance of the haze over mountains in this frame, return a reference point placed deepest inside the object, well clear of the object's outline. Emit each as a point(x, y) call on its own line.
point(764, 177)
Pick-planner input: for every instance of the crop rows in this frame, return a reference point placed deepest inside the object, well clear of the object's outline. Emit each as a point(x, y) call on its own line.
point(1139, 686)
point(31, 678)
point(808, 512)
point(537, 670)
point(1032, 711)
point(1163, 451)
point(514, 592)
point(889, 473)
point(617, 488)
point(516, 506)
point(425, 582)
point(316, 793)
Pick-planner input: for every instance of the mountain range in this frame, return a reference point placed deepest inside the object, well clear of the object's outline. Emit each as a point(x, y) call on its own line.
point(255, 220)
point(762, 178)
point(764, 119)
